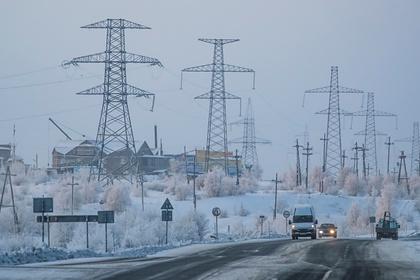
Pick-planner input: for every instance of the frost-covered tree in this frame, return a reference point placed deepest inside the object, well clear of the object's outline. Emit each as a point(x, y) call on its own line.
point(117, 197)
point(192, 227)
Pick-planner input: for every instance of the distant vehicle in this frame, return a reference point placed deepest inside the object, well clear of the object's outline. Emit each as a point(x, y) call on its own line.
point(303, 222)
point(327, 230)
point(387, 227)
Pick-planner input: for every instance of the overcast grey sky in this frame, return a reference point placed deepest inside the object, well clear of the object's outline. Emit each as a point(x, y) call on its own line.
point(290, 44)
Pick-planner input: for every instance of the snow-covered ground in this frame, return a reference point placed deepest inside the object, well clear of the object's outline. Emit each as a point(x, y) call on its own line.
point(137, 233)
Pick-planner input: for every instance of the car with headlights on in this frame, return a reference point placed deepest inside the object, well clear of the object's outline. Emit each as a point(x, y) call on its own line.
point(327, 230)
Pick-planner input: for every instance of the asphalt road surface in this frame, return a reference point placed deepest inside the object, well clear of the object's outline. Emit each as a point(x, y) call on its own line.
point(302, 259)
point(275, 259)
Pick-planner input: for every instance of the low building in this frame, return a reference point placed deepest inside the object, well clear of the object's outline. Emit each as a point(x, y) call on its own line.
point(72, 154)
point(5, 154)
point(150, 161)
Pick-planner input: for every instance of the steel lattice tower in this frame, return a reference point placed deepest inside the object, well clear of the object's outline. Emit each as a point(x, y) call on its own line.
point(217, 144)
point(333, 152)
point(115, 138)
point(370, 132)
point(415, 147)
point(249, 141)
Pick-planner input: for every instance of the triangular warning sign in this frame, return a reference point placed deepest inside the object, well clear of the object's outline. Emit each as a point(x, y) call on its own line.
point(167, 205)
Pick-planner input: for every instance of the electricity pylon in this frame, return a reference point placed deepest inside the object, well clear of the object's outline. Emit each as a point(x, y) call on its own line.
point(403, 168)
point(115, 141)
point(8, 181)
point(217, 143)
point(334, 112)
point(249, 141)
point(370, 131)
point(415, 146)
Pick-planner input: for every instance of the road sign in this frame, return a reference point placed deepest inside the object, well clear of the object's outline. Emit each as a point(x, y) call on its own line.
point(68, 218)
point(216, 211)
point(167, 205)
point(166, 216)
point(105, 217)
point(43, 204)
point(372, 220)
point(286, 214)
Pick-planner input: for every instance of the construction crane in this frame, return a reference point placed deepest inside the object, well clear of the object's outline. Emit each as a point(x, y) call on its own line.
point(62, 131)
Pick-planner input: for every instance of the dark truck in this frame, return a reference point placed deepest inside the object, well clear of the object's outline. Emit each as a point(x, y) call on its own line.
point(387, 227)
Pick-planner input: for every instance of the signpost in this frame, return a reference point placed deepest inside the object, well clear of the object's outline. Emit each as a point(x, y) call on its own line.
point(43, 205)
point(286, 215)
point(372, 221)
point(106, 217)
point(68, 219)
point(262, 219)
point(216, 213)
point(167, 209)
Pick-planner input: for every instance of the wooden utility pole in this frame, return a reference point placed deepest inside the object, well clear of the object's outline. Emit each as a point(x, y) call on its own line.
point(275, 196)
point(389, 143)
point(72, 184)
point(307, 153)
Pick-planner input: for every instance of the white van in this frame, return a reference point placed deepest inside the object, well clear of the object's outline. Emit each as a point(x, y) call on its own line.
point(303, 222)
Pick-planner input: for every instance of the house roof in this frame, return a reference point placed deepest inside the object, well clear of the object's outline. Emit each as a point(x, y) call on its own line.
point(64, 147)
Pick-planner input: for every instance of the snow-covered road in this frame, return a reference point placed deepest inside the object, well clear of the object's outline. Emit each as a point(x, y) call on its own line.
point(274, 259)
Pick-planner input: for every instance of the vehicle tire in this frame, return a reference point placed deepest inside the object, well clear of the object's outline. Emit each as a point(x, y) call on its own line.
point(378, 237)
point(319, 236)
point(335, 236)
point(296, 237)
point(293, 237)
point(313, 236)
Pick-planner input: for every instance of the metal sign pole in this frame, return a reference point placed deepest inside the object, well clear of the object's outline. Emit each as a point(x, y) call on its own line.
point(43, 227)
point(48, 229)
point(166, 238)
point(286, 227)
point(217, 229)
point(87, 232)
point(106, 237)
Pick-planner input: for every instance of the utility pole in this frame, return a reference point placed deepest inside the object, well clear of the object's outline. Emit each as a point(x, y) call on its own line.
point(217, 143)
point(72, 184)
point(363, 150)
point(324, 152)
point(115, 132)
point(8, 180)
point(186, 164)
point(298, 168)
point(415, 145)
point(356, 159)
point(307, 153)
point(344, 159)
point(418, 166)
point(388, 143)
point(276, 181)
point(237, 166)
point(405, 176)
point(334, 150)
point(194, 176)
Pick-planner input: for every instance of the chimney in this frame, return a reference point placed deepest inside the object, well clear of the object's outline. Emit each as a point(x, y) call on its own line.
point(156, 139)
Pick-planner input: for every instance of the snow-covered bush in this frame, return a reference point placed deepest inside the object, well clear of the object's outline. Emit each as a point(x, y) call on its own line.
point(213, 183)
point(192, 227)
point(385, 201)
point(242, 211)
point(117, 197)
point(357, 220)
point(176, 185)
point(352, 185)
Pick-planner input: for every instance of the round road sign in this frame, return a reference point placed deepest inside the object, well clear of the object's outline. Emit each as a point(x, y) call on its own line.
point(216, 211)
point(286, 214)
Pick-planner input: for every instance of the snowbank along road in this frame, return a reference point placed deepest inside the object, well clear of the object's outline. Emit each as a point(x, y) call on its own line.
point(278, 259)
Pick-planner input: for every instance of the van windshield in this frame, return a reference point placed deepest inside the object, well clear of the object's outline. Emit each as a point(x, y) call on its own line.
point(303, 219)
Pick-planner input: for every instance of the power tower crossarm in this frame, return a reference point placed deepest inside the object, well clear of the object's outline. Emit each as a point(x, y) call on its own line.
point(59, 128)
point(115, 23)
point(327, 89)
point(122, 57)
